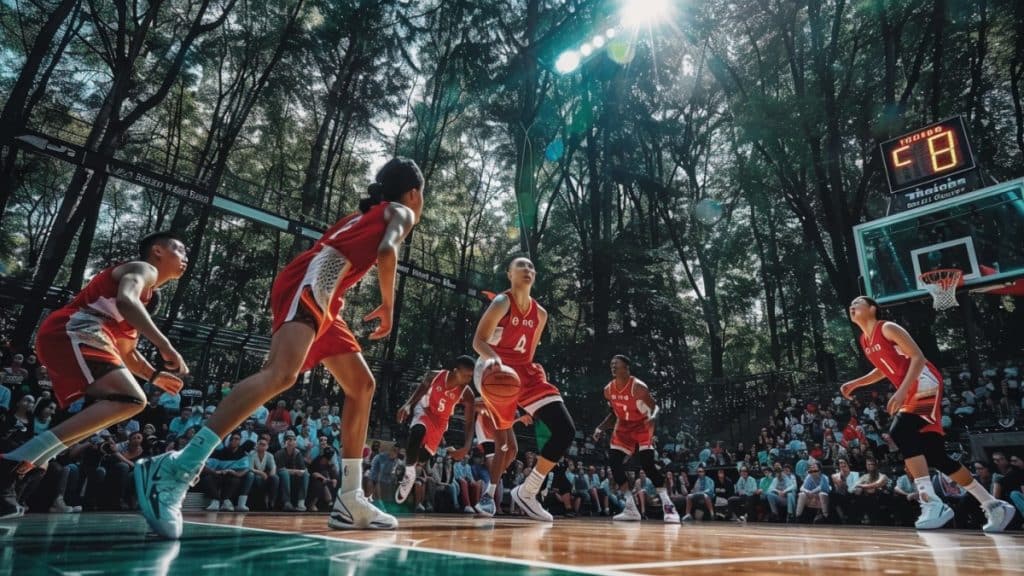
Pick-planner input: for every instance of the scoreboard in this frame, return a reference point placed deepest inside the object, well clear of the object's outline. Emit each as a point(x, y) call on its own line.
point(927, 154)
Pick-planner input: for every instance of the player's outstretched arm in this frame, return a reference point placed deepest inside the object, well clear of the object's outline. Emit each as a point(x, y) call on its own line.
point(416, 395)
point(868, 379)
point(135, 277)
point(400, 222)
point(488, 322)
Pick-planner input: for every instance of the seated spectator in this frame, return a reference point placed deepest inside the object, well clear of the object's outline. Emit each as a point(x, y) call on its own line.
point(743, 503)
point(292, 474)
point(445, 484)
point(724, 489)
point(222, 475)
point(42, 415)
point(323, 481)
point(646, 495)
point(869, 493)
point(1010, 486)
point(814, 493)
point(469, 488)
point(676, 488)
point(279, 419)
point(263, 480)
point(906, 500)
point(702, 494)
point(782, 490)
point(183, 422)
point(169, 403)
point(382, 473)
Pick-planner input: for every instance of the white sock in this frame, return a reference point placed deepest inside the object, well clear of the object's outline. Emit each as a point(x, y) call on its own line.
point(351, 474)
point(532, 484)
point(37, 450)
point(198, 449)
point(925, 489)
point(490, 489)
point(979, 492)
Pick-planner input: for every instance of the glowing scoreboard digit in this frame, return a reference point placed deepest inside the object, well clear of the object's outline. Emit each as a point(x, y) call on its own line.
point(936, 151)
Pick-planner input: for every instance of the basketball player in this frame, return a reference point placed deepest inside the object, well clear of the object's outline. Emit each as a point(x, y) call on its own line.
point(431, 405)
point(917, 409)
point(633, 412)
point(508, 333)
point(89, 348)
point(306, 300)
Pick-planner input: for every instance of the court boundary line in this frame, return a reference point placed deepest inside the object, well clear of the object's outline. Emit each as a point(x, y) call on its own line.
point(790, 557)
point(599, 570)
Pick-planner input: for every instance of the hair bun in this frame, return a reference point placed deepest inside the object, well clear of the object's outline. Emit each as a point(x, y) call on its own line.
point(375, 190)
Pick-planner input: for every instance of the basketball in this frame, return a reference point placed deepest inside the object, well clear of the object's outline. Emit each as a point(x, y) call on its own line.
point(500, 383)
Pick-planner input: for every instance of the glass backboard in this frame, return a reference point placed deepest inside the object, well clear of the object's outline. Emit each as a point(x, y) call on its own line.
point(981, 233)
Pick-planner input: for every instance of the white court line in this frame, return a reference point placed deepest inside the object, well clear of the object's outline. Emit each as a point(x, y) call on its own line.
point(786, 558)
point(501, 559)
point(806, 537)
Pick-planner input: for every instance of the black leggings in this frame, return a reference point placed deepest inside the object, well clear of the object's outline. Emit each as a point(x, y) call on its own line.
point(414, 451)
point(646, 460)
point(563, 430)
point(906, 433)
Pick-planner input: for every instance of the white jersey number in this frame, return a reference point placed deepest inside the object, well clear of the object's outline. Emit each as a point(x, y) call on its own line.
point(521, 344)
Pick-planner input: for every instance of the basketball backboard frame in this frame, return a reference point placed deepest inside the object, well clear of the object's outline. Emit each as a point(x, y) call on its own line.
point(975, 279)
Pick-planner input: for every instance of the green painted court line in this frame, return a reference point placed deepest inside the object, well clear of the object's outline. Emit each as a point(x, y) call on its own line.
point(98, 544)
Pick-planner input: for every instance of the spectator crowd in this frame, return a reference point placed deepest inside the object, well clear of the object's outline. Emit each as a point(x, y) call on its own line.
point(819, 459)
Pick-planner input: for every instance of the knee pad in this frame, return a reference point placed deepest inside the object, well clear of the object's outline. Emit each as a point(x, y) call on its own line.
point(124, 399)
point(906, 434)
point(935, 453)
point(616, 459)
point(646, 460)
point(562, 428)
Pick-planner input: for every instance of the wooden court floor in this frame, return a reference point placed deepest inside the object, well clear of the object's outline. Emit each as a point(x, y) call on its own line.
point(238, 545)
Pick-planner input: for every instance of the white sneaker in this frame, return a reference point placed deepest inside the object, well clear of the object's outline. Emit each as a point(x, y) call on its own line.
point(352, 511)
point(671, 516)
point(241, 508)
point(469, 510)
point(301, 506)
point(999, 515)
point(227, 506)
point(485, 507)
point(404, 488)
point(934, 515)
point(530, 506)
point(687, 518)
point(629, 512)
point(160, 486)
point(59, 507)
point(214, 506)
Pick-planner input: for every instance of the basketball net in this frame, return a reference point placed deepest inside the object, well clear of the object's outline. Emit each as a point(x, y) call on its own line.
point(942, 284)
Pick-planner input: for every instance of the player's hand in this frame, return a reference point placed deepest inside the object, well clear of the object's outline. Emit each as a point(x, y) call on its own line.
point(525, 419)
point(403, 413)
point(494, 361)
point(384, 314)
point(895, 403)
point(458, 454)
point(847, 390)
point(597, 434)
point(167, 382)
point(173, 361)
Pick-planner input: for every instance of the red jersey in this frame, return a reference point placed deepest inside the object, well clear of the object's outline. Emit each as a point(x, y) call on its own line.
point(514, 337)
point(623, 401)
point(93, 312)
point(887, 357)
point(339, 259)
point(441, 399)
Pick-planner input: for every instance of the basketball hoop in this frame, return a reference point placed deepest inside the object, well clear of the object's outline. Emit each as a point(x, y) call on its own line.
point(942, 285)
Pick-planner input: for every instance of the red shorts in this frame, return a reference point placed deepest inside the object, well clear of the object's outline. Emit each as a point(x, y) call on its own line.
point(535, 393)
point(435, 429)
point(629, 437)
point(76, 357)
point(927, 401)
point(297, 304)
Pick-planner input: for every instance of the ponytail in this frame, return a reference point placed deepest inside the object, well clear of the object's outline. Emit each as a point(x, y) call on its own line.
point(393, 180)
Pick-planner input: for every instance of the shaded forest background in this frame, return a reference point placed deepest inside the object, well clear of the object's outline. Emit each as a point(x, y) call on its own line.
point(769, 109)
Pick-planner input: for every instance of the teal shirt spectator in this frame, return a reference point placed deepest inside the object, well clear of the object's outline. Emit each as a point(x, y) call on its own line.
point(801, 468)
point(703, 485)
point(786, 484)
point(746, 486)
point(169, 402)
point(819, 484)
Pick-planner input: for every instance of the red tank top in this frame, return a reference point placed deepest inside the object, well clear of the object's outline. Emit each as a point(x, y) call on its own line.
point(340, 258)
point(516, 333)
point(99, 300)
point(623, 401)
point(441, 400)
point(884, 355)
